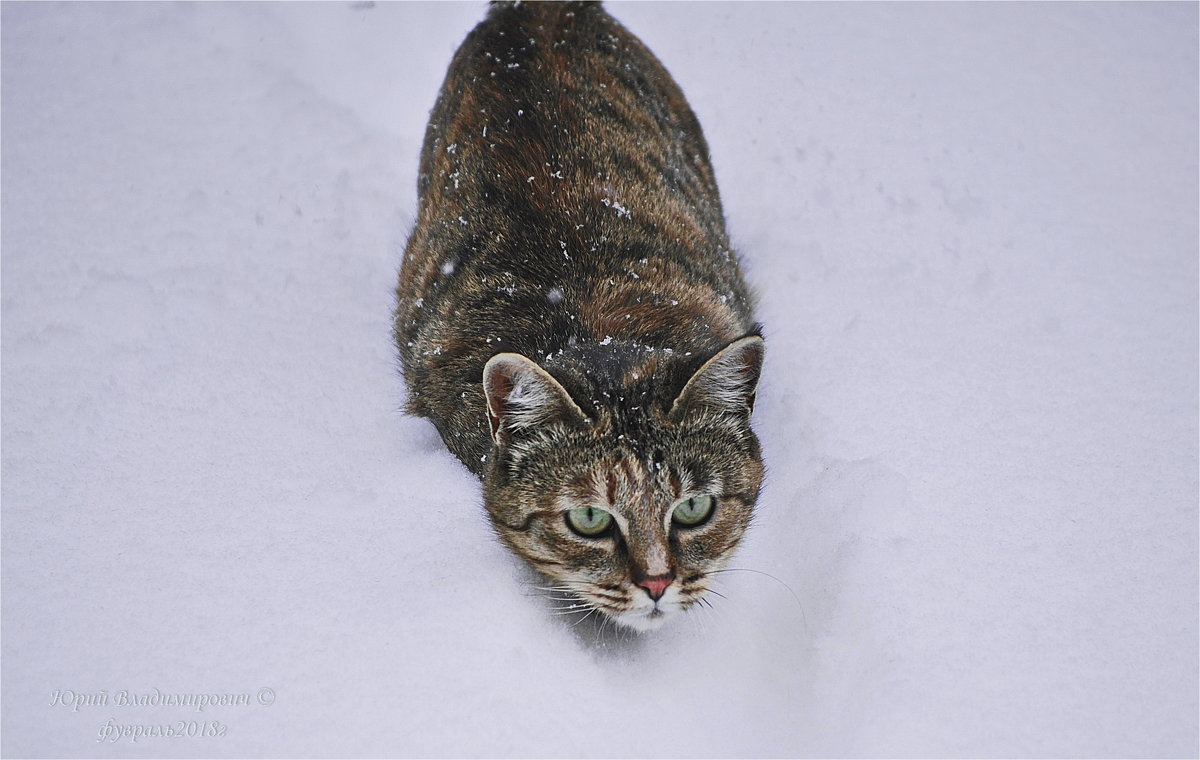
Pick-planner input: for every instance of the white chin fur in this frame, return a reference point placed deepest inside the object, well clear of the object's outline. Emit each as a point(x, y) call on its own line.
point(647, 616)
point(643, 620)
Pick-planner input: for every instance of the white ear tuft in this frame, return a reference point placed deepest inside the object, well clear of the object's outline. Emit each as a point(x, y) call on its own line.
point(522, 395)
point(727, 382)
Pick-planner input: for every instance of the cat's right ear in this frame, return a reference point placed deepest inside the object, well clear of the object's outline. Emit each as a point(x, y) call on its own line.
point(521, 395)
point(727, 382)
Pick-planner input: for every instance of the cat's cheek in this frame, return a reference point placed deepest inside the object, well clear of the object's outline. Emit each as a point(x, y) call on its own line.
point(702, 552)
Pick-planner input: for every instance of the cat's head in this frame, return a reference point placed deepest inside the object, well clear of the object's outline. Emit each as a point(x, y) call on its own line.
point(627, 495)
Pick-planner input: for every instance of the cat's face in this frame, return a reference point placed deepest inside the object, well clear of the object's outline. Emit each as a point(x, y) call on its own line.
point(629, 515)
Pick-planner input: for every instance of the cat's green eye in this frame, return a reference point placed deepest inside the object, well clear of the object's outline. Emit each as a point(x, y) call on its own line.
point(692, 512)
point(589, 521)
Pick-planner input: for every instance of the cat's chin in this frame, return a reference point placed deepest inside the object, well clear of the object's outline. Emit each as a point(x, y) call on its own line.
point(642, 620)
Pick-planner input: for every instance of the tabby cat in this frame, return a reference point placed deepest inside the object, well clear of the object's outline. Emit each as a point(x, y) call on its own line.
point(571, 317)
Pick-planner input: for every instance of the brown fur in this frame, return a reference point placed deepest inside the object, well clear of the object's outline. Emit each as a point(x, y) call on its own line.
point(570, 314)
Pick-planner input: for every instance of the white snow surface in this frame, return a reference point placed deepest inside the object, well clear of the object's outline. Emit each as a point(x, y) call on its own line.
point(973, 229)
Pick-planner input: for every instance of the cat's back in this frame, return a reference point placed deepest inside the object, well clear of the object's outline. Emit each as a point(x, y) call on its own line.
point(552, 112)
point(561, 90)
point(566, 198)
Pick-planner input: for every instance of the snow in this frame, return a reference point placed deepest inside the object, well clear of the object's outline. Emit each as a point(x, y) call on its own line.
point(973, 230)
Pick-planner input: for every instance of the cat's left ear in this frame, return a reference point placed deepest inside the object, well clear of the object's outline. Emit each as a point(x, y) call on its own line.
point(726, 383)
point(522, 395)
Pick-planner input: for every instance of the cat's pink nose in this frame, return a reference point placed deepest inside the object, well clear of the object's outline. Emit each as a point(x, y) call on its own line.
point(656, 585)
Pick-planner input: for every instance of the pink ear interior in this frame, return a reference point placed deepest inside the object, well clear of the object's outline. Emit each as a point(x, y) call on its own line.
point(524, 394)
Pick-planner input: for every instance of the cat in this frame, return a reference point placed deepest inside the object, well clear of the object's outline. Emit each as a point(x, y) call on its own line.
point(571, 317)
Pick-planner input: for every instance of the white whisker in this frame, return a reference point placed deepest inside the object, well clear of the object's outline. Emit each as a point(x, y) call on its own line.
point(585, 617)
point(795, 597)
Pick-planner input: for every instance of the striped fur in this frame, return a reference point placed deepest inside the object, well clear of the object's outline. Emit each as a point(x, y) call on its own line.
point(570, 314)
